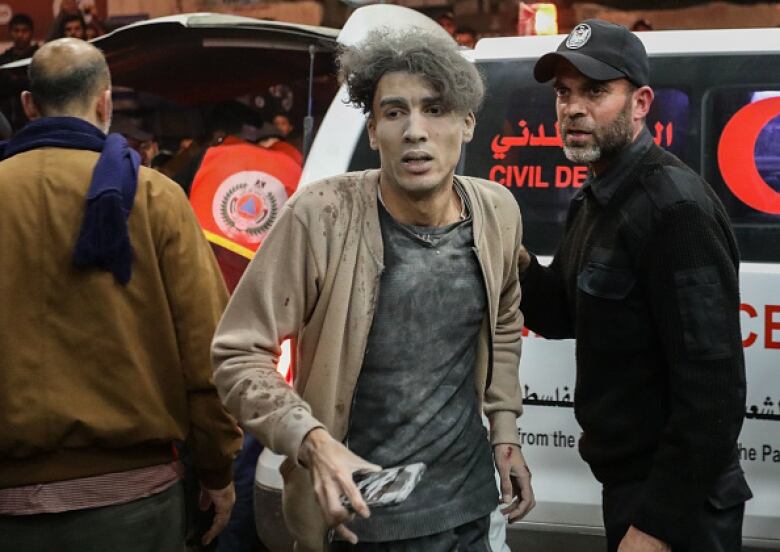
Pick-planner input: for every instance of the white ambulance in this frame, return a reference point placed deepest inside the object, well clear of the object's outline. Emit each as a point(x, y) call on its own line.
point(717, 107)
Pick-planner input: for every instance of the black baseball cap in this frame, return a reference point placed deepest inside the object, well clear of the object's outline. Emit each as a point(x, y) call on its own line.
point(600, 50)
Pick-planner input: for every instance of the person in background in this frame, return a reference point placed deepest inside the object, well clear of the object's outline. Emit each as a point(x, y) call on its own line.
point(20, 30)
point(93, 30)
point(447, 22)
point(466, 37)
point(258, 181)
point(230, 153)
point(641, 25)
point(239, 188)
point(161, 158)
point(67, 8)
point(185, 161)
point(73, 26)
point(646, 279)
point(141, 141)
point(110, 298)
point(289, 135)
point(400, 285)
point(272, 137)
point(94, 24)
point(282, 122)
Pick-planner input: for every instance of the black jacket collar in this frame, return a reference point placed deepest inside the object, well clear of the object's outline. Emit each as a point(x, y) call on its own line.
point(604, 186)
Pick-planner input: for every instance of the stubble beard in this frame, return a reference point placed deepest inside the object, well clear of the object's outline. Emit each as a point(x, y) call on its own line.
point(608, 141)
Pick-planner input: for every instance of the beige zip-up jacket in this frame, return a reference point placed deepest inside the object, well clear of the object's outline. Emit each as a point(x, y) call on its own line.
point(317, 278)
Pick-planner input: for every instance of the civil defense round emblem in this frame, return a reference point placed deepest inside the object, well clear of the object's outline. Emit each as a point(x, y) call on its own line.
point(247, 204)
point(579, 36)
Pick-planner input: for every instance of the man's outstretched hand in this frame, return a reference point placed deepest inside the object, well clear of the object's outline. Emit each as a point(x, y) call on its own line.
point(331, 465)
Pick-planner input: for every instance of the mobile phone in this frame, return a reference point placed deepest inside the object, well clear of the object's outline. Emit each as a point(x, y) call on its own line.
point(386, 487)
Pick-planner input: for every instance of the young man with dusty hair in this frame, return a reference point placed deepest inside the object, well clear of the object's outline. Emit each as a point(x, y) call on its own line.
point(400, 286)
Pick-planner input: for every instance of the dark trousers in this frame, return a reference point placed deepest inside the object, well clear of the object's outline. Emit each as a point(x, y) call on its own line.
point(717, 529)
point(469, 537)
point(151, 524)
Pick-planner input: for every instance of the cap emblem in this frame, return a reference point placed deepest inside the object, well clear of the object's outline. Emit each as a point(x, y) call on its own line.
point(579, 36)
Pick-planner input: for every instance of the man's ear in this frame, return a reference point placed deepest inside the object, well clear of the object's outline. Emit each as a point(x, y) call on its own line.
point(371, 127)
point(468, 127)
point(104, 108)
point(28, 104)
point(643, 98)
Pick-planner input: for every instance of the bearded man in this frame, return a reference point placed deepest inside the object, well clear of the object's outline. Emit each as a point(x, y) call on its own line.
point(646, 280)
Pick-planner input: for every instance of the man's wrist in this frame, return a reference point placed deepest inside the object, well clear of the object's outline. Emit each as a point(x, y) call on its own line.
point(310, 444)
point(503, 428)
point(495, 445)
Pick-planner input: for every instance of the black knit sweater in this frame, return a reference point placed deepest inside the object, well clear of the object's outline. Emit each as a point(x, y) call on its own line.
point(646, 280)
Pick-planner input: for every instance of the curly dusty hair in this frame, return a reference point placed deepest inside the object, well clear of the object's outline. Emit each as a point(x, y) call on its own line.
point(436, 58)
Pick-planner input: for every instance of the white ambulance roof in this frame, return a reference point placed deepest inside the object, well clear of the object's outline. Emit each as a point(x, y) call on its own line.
point(717, 41)
point(387, 16)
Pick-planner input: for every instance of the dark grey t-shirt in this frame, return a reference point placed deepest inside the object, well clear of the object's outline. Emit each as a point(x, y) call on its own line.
point(416, 399)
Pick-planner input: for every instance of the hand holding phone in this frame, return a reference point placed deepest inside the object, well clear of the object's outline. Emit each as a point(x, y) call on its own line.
point(386, 487)
point(331, 466)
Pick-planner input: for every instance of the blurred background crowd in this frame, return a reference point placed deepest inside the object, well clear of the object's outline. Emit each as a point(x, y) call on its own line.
point(31, 21)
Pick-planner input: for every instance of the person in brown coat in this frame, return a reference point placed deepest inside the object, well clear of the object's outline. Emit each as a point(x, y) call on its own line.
point(110, 298)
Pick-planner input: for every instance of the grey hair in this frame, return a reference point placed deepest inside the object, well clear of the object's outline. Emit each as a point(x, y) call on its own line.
point(435, 58)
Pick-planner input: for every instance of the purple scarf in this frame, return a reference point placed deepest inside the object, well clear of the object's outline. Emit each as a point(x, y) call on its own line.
point(104, 241)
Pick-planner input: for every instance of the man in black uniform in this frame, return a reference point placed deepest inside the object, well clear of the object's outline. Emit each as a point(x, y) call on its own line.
point(645, 279)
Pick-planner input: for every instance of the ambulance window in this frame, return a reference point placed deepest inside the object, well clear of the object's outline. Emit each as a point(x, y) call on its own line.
point(742, 163)
point(669, 118)
point(517, 144)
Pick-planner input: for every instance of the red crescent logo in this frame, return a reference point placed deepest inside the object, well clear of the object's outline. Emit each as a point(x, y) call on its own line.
point(736, 155)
